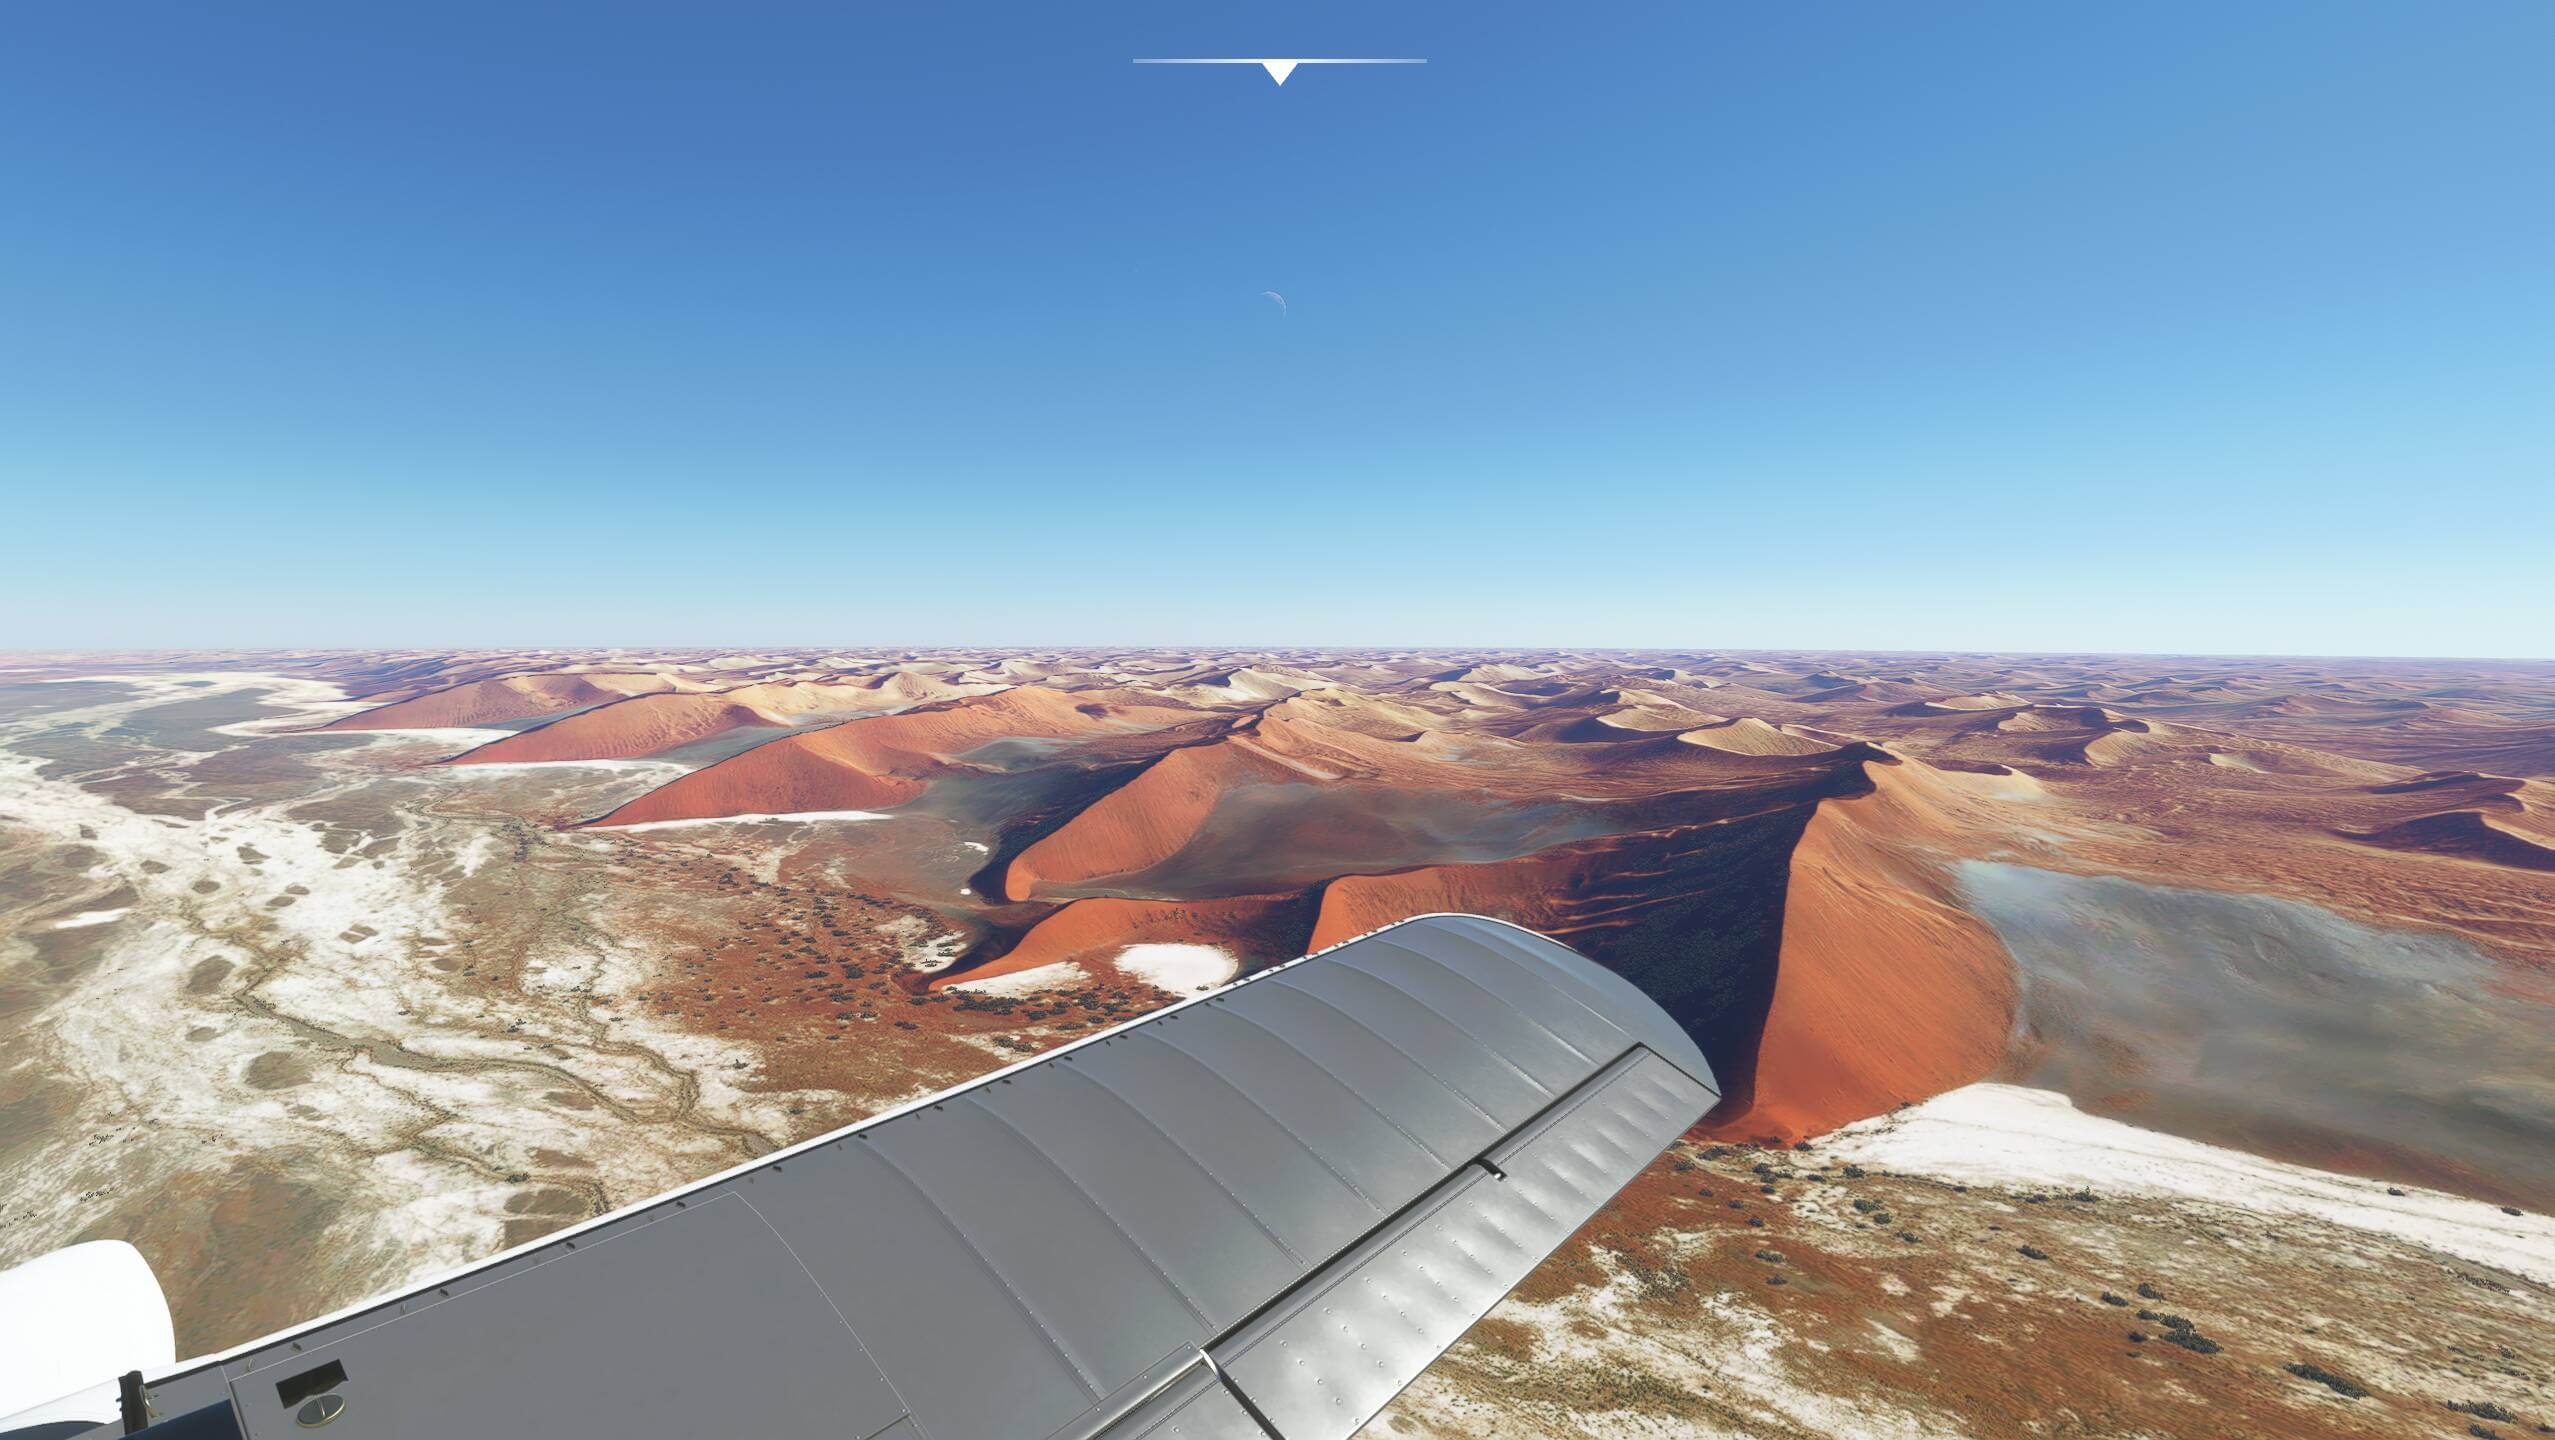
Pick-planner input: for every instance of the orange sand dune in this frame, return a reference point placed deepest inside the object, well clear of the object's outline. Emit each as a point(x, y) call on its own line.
point(1753, 737)
point(2464, 782)
point(787, 776)
point(2053, 718)
point(1766, 829)
point(653, 724)
point(641, 725)
point(1358, 714)
point(1828, 689)
point(1246, 685)
point(1627, 717)
point(1811, 946)
point(2466, 835)
point(1974, 703)
point(513, 697)
point(1145, 821)
point(1255, 929)
point(2120, 744)
point(1885, 991)
point(887, 760)
point(895, 691)
point(1153, 817)
point(1692, 914)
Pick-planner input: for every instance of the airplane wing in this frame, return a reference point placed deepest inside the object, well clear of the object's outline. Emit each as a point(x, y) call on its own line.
point(1257, 1214)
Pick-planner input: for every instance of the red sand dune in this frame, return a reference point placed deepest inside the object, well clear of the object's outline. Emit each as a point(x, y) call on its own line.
point(653, 724)
point(1143, 822)
point(1153, 817)
point(1773, 825)
point(870, 764)
point(1885, 992)
point(514, 697)
point(1828, 972)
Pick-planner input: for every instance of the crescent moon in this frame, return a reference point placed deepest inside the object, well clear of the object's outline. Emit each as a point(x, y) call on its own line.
point(1280, 299)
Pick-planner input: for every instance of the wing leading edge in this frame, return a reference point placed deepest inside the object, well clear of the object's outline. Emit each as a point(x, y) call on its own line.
point(1257, 1214)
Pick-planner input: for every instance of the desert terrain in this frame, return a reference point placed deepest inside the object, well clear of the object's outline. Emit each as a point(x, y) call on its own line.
point(2032, 980)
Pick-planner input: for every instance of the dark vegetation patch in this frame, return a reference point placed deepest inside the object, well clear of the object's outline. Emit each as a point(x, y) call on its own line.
point(2339, 1384)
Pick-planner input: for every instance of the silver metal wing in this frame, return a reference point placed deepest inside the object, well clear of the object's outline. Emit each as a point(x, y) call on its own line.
point(1260, 1213)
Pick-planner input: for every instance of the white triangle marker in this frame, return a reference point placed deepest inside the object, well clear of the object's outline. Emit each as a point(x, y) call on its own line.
point(1280, 69)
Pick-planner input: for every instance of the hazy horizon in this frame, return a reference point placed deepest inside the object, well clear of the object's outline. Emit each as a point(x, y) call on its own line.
point(1248, 647)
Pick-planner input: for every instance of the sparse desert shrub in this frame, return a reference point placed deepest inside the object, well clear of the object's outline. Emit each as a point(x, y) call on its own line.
point(2148, 1291)
point(1853, 1172)
point(1655, 1274)
point(2510, 1209)
point(2192, 1340)
point(2483, 1410)
point(2030, 1253)
point(2170, 1322)
point(2342, 1385)
point(1771, 1257)
point(1867, 1206)
point(1756, 1222)
point(2111, 1299)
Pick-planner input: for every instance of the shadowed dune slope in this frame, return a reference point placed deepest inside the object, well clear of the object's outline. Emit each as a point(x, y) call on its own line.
point(1693, 914)
point(1810, 947)
point(654, 724)
point(1143, 822)
point(2466, 835)
point(873, 763)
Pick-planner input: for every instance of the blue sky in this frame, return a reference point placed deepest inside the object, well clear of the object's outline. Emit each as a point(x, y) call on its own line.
point(2165, 327)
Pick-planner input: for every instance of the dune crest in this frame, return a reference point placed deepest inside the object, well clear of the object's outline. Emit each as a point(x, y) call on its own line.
point(1746, 736)
point(874, 763)
point(495, 701)
point(1144, 822)
point(1885, 992)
